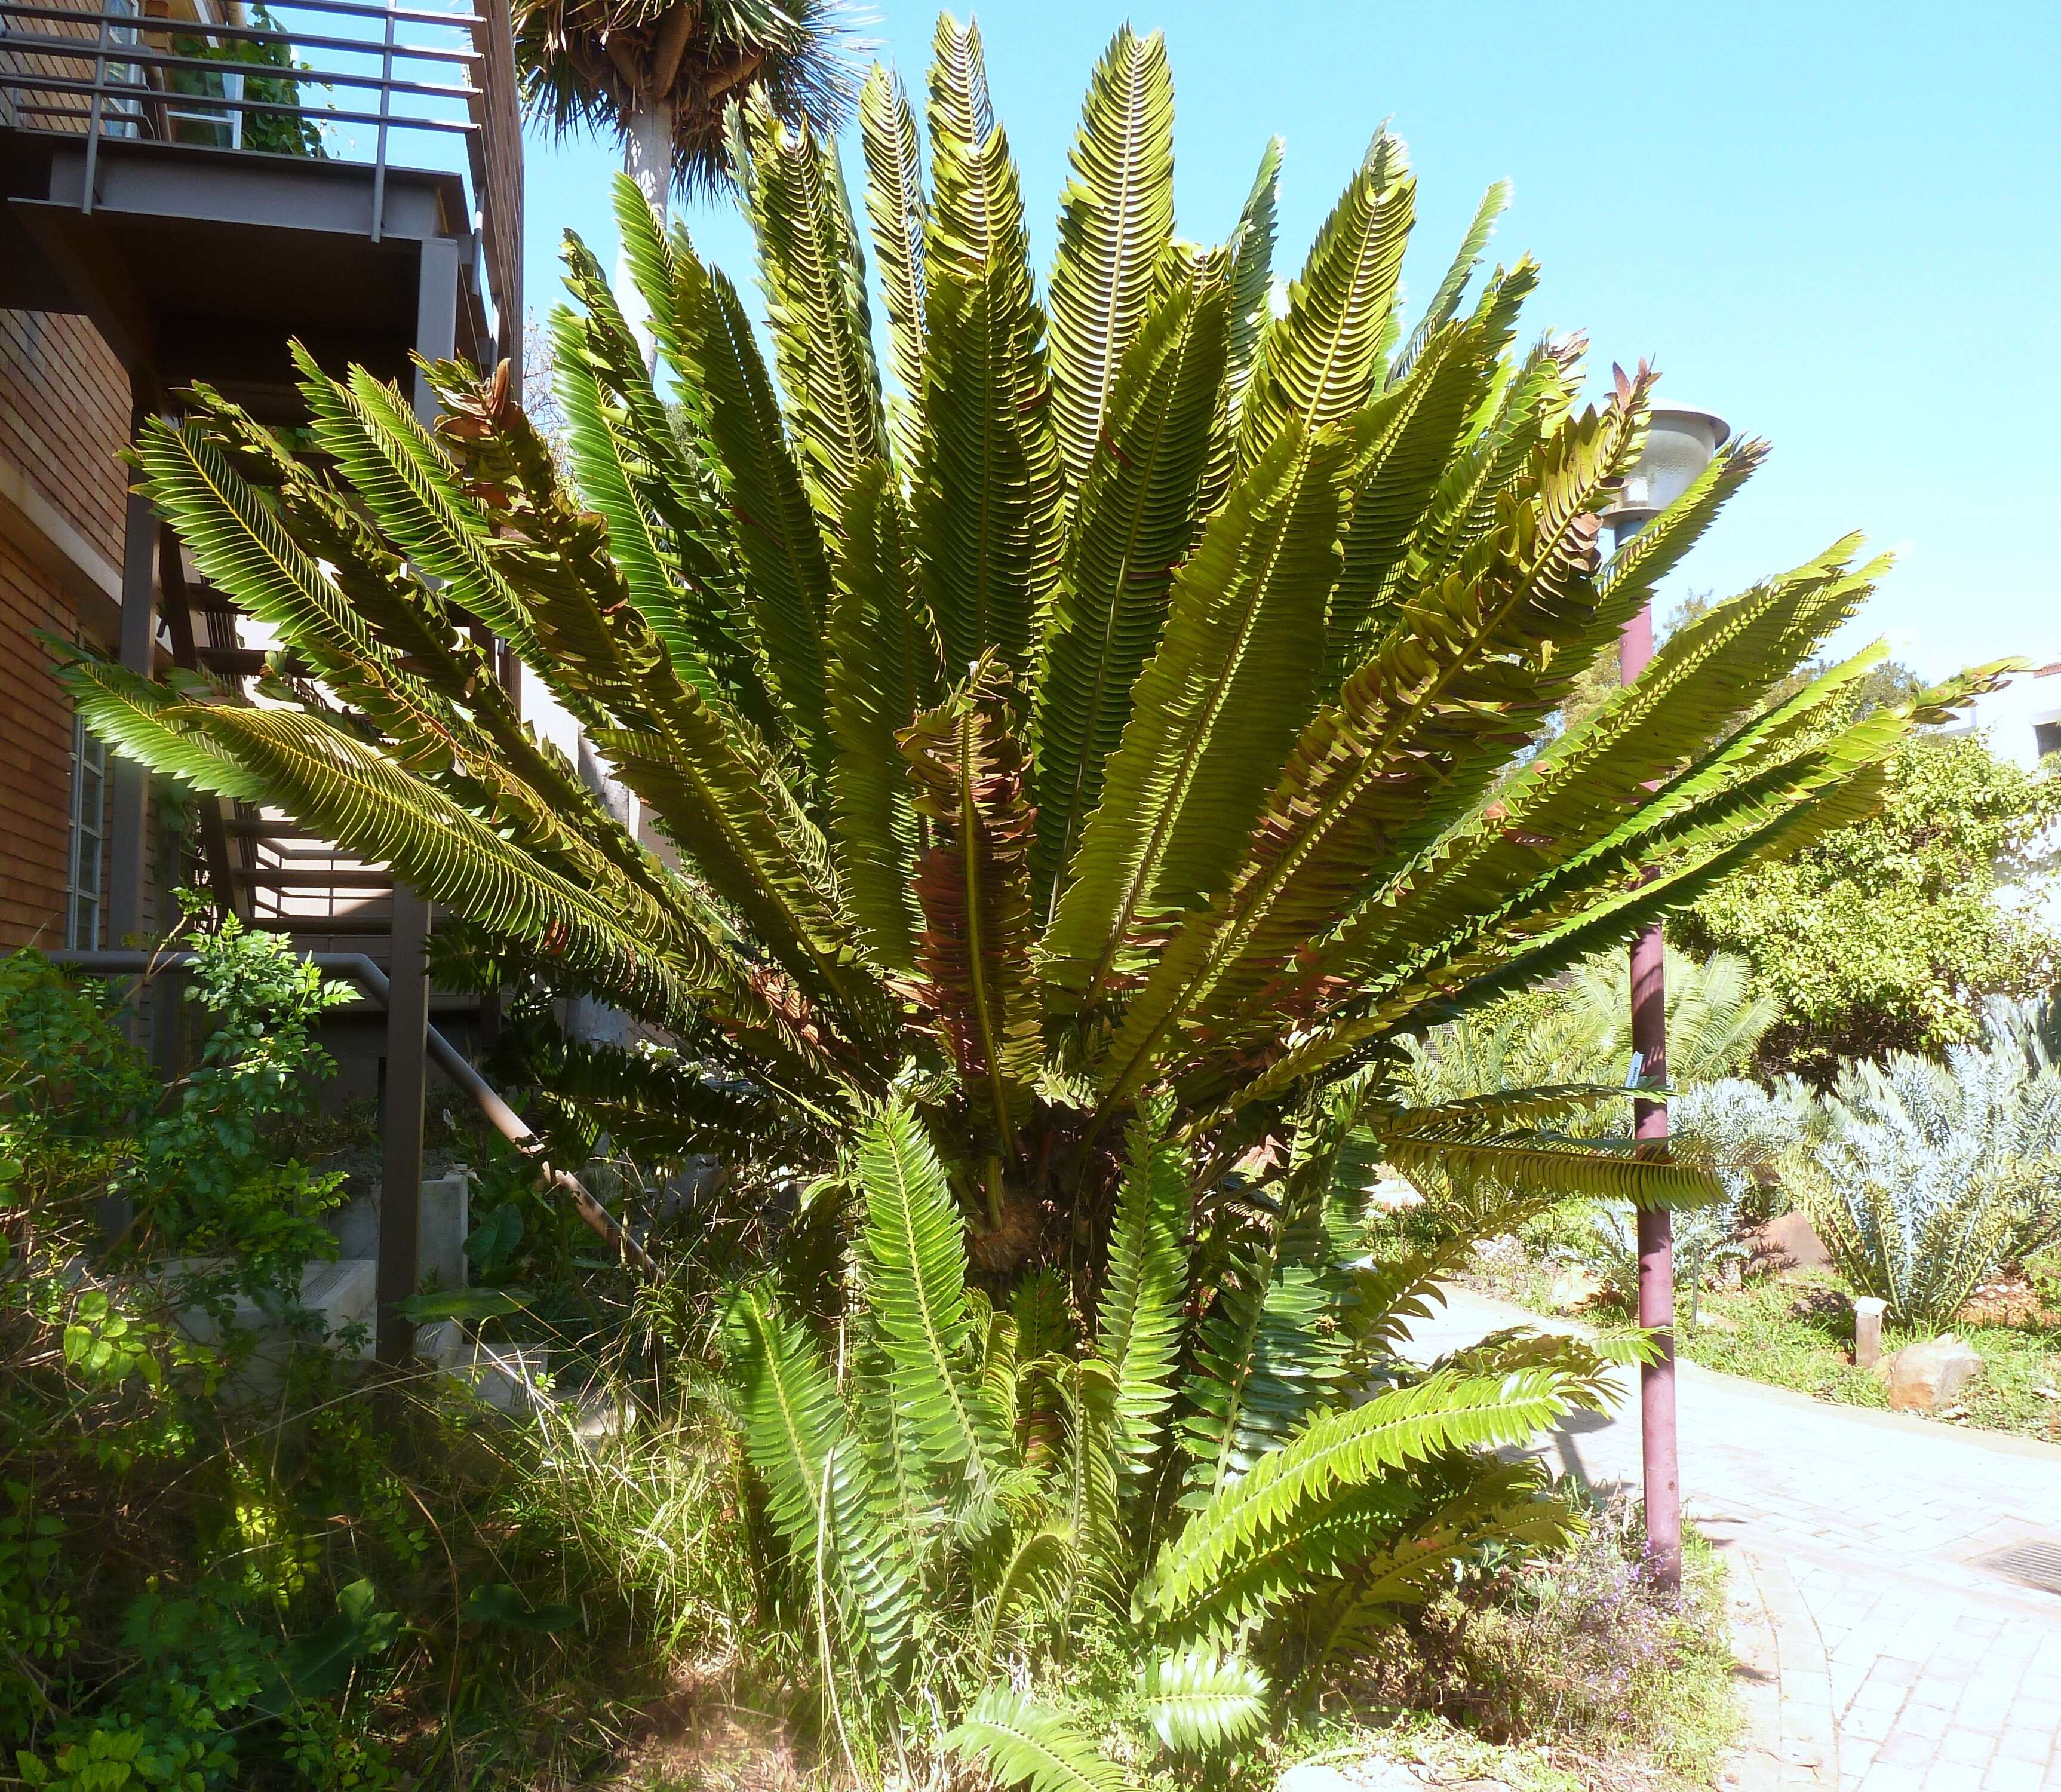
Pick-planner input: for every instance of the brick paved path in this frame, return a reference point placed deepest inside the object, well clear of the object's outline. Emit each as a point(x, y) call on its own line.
point(1876, 1655)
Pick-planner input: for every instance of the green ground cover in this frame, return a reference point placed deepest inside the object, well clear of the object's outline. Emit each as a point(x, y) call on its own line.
point(1795, 1330)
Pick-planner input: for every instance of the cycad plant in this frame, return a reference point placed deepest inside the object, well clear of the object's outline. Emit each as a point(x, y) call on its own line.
point(1123, 707)
point(1109, 739)
point(1922, 1176)
point(1232, 1479)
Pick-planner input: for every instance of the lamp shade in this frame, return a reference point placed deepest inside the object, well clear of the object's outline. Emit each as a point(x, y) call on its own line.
point(1679, 444)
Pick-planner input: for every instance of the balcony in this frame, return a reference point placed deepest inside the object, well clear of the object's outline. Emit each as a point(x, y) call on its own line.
point(205, 182)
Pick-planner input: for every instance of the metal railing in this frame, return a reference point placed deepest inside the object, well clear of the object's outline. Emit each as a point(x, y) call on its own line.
point(327, 72)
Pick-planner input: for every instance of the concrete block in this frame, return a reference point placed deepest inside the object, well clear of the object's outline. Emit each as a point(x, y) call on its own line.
point(445, 1218)
point(342, 1294)
point(442, 1222)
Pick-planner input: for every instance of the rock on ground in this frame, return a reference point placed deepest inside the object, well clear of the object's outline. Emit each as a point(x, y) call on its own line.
point(1923, 1377)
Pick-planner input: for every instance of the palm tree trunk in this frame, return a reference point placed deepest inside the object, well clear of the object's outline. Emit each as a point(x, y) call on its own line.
point(648, 158)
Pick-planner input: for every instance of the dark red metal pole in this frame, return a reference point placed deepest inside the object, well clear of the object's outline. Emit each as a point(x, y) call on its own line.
point(1656, 1226)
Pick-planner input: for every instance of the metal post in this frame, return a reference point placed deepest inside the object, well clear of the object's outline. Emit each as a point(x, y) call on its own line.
point(1659, 1456)
point(1679, 446)
point(401, 1124)
point(385, 110)
point(92, 112)
point(128, 823)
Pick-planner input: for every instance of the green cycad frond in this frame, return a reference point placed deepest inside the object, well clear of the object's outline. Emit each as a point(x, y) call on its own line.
point(1336, 1452)
point(974, 887)
point(1019, 1741)
point(915, 1250)
point(243, 547)
point(988, 497)
point(1034, 1573)
point(899, 214)
point(1445, 303)
point(1323, 360)
point(1584, 1364)
point(1420, 425)
point(819, 1488)
point(410, 487)
point(127, 711)
point(1251, 247)
point(1212, 714)
point(1093, 1492)
point(375, 811)
point(815, 290)
point(1044, 1324)
point(1138, 1327)
point(778, 537)
point(1405, 746)
point(1132, 522)
point(883, 670)
point(1267, 1355)
point(1116, 217)
point(1476, 1501)
point(653, 1100)
point(1201, 1702)
point(1533, 403)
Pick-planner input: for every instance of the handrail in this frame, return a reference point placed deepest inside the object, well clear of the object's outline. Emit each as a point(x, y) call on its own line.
point(238, 34)
point(502, 1118)
point(201, 27)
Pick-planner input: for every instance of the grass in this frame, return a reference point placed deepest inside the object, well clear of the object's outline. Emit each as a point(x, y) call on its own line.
point(1795, 1329)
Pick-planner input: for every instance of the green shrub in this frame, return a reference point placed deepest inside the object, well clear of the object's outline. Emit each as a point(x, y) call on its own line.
point(1922, 1176)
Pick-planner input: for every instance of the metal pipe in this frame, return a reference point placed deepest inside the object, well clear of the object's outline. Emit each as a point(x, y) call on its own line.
point(502, 1118)
point(1660, 1451)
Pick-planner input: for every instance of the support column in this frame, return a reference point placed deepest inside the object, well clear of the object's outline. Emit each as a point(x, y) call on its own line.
point(436, 315)
point(128, 854)
point(401, 1122)
point(408, 973)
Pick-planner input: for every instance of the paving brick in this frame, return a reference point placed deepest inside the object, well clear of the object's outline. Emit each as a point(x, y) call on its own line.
point(1967, 1748)
point(2021, 1742)
point(1855, 1534)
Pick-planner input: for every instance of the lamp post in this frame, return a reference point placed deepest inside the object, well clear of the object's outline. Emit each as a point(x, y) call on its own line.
point(1679, 444)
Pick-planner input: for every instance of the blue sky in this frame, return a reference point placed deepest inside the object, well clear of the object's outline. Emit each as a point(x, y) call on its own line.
point(1833, 223)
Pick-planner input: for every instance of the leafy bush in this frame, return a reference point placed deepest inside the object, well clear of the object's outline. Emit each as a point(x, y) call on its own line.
point(1580, 1646)
point(972, 1491)
point(1887, 936)
point(195, 1592)
point(1921, 1176)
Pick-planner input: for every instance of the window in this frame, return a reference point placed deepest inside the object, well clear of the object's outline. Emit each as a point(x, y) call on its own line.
point(2047, 738)
point(88, 839)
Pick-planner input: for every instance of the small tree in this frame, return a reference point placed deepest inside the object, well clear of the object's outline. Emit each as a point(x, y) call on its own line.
point(1886, 935)
point(1083, 779)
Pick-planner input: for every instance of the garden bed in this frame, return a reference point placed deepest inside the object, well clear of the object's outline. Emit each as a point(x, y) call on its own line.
point(1794, 1329)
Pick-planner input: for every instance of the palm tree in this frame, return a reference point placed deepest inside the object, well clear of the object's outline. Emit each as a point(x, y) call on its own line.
point(1132, 707)
point(662, 75)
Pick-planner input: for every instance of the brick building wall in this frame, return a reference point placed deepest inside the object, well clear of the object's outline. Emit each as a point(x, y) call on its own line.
point(64, 416)
point(64, 413)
